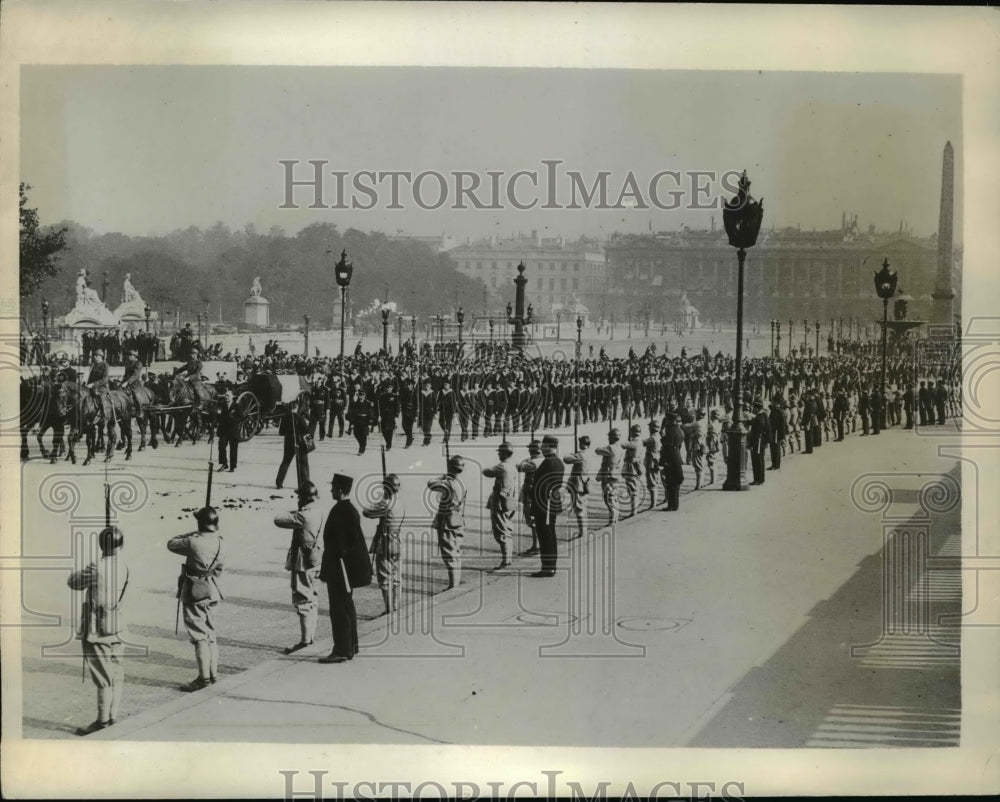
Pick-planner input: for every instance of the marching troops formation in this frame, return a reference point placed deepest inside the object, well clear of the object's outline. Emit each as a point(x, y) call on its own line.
point(664, 416)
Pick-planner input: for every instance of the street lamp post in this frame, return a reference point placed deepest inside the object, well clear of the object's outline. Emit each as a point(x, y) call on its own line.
point(305, 344)
point(885, 288)
point(805, 335)
point(460, 317)
point(558, 325)
point(817, 338)
point(147, 311)
point(576, 381)
point(506, 324)
point(518, 319)
point(399, 333)
point(491, 335)
point(777, 339)
point(772, 337)
point(342, 273)
point(791, 325)
point(385, 330)
point(741, 217)
point(45, 316)
point(413, 327)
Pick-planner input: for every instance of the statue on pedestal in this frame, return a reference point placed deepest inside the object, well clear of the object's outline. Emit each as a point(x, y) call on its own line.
point(86, 297)
point(256, 290)
point(89, 309)
point(130, 295)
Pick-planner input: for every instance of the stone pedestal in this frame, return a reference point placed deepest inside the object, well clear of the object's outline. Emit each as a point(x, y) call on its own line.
point(256, 311)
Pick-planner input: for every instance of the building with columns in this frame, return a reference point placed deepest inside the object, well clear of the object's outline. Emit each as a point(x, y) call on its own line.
point(789, 274)
point(560, 272)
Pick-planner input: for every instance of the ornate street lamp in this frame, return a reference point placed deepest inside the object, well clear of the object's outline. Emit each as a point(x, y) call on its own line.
point(741, 217)
point(791, 325)
point(817, 338)
point(558, 326)
point(777, 339)
point(342, 272)
point(885, 288)
point(460, 317)
point(518, 319)
point(45, 316)
point(576, 381)
point(147, 311)
point(305, 342)
point(385, 330)
point(772, 337)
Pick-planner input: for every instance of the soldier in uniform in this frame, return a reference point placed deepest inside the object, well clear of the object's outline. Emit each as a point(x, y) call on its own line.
point(305, 554)
point(609, 473)
point(361, 415)
point(199, 594)
point(908, 399)
point(102, 626)
point(712, 445)
point(293, 428)
point(580, 474)
point(631, 466)
point(776, 419)
point(840, 410)
point(548, 483)
point(343, 526)
point(923, 399)
point(671, 462)
point(133, 374)
point(191, 370)
point(428, 407)
point(390, 513)
point(697, 446)
point(449, 521)
point(502, 502)
point(338, 404)
point(527, 467)
point(651, 461)
point(319, 401)
point(388, 408)
point(409, 403)
point(446, 410)
point(864, 409)
point(97, 383)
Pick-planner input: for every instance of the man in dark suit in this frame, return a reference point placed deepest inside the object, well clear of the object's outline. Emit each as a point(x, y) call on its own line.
point(228, 430)
point(361, 416)
point(547, 503)
point(343, 526)
point(778, 433)
point(293, 428)
point(758, 440)
point(409, 403)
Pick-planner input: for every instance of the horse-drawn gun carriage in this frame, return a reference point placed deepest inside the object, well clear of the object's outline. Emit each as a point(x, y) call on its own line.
point(265, 397)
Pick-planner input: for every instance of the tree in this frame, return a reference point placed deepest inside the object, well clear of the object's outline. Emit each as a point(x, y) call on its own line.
point(39, 251)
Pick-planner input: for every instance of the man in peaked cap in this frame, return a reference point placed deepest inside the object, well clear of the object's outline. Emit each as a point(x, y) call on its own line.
point(548, 482)
point(343, 526)
point(390, 513)
point(758, 439)
point(502, 502)
point(609, 473)
point(580, 474)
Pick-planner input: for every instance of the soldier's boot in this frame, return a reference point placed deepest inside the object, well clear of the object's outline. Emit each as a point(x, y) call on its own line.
point(213, 661)
point(117, 688)
point(697, 480)
point(451, 578)
point(103, 713)
point(711, 476)
point(581, 526)
point(504, 557)
point(652, 497)
point(203, 656)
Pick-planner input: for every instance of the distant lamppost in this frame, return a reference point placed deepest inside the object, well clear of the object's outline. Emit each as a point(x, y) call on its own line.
point(885, 288)
point(510, 311)
point(777, 339)
point(385, 330)
point(342, 272)
point(558, 326)
point(741, 217)
point(630, 324)
point(460, 317)
point(491, 332)
point(817, 338)
point(805, 335)
point(772, 337)
point(576, 380)
point(399, 333)
point(45, 316)
point(305, 344)
point(147, 311)
point(198, 315)
point(791, 325)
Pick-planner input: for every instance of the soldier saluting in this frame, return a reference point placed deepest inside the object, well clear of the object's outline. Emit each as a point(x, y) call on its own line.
point(199, 594)
point(390, 513)
point(449, 521)
point(305, 555)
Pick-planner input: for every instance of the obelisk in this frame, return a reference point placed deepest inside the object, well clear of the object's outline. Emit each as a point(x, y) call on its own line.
point(943, 295)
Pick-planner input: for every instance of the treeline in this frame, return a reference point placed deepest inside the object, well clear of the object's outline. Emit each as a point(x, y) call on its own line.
point(191, 269)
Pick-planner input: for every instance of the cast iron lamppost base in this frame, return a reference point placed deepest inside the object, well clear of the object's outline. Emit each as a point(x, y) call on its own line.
point(742, 218)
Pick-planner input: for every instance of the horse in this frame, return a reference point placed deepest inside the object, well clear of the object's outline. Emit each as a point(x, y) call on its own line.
point(187, 413)
point(83, 411)
point(143, 403)
point(41, 406)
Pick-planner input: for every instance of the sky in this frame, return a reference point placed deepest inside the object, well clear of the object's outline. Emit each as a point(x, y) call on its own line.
point(145, 150)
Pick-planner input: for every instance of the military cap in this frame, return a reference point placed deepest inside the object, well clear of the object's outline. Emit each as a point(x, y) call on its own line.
point(456, 464)
point(208, 519)
point(550, 440)
point(654, 426)
point(111, 539)
point(343, 482)
point(505, 446)
point(534, 447)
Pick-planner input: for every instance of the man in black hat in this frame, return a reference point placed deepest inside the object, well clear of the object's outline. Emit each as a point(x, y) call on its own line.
point(502, 502)
point(343, 527)
point(293, 427)
point(449, 521)
point(305, 554)
point(228, 430)
point(547, 490)
point(199, 594)
point(101, 626)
